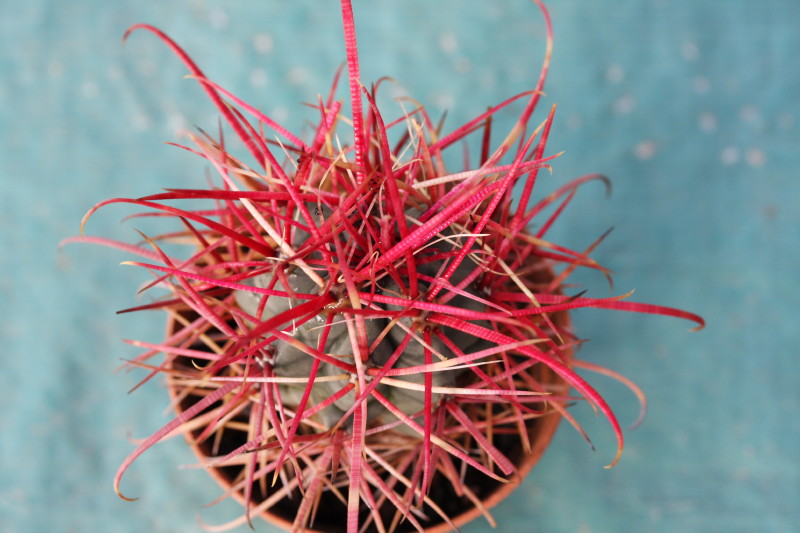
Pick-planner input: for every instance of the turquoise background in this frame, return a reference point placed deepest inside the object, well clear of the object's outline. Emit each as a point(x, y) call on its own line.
point(690, 106)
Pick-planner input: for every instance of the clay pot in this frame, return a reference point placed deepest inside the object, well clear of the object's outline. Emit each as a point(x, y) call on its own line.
point(460, 509)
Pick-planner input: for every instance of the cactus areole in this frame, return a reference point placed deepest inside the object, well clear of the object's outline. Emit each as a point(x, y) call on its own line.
point(359, 338)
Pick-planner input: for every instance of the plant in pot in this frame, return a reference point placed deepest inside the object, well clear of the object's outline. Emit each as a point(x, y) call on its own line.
point(358, 338)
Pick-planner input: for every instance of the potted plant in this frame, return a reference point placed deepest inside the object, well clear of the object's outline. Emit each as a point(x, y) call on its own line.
point(358, 338)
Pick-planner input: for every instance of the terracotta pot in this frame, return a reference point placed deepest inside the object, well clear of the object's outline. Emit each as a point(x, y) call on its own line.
point(460, 509)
